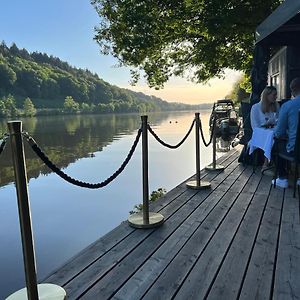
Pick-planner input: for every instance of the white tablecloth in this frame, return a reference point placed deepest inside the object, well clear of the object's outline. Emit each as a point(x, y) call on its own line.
point(264, 139)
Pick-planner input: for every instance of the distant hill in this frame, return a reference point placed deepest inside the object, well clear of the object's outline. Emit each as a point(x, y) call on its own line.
point(47, 81)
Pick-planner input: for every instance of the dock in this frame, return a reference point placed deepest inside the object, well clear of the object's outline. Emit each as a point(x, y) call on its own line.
point(238, 240)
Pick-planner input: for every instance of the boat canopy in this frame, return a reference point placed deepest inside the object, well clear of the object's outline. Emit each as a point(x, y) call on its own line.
point(225, 101)
point(282, 27)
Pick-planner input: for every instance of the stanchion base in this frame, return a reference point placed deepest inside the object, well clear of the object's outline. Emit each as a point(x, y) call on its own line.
point(137, 220)
point(211, 167)
point(46, 291)
point(203, 185)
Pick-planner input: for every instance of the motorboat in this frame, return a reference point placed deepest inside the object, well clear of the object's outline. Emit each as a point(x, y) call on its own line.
point(227, 119)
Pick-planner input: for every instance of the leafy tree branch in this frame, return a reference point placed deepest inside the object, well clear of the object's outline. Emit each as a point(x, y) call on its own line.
point(197, 39)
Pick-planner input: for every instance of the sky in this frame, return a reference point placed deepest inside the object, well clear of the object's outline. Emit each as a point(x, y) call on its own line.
point(65, 29)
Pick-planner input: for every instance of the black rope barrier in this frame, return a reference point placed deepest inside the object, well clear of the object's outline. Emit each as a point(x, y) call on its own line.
point(3, 141)
point(211, 134)
point(71, 180)
point(168, 145)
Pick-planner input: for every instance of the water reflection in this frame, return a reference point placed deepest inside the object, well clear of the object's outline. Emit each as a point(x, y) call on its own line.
point(66, 139)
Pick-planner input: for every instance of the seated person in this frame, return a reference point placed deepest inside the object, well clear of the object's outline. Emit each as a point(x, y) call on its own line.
point(265, 113)
point(286, 129)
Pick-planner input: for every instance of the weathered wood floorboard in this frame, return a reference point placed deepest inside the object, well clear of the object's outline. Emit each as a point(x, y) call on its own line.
point(259, 275)
point(238, 240)
point(287, 275)
point(144, 252)
point(110, 240)
point(155, 265)
point(230, 276)
point(200, 276)
point(154, 238)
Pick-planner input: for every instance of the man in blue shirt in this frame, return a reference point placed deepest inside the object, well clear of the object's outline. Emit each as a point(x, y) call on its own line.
point(286, 128)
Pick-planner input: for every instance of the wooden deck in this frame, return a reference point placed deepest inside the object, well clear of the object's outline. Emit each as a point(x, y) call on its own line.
point(238, 240)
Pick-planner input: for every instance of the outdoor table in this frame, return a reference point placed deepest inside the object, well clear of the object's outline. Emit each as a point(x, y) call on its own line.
point(262, 138)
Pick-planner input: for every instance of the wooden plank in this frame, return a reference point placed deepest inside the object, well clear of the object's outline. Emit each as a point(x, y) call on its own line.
point(171, 279)
point(197, 283)
point(86, 257)
point(287, 275)
point(207, 176)
point(140, 282)
point(215, 178)
point(229, 279)
point(88, 278)
point(215, 244)
point(259, 277)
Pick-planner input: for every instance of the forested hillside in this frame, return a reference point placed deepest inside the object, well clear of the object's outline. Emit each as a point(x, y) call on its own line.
point(54, 86)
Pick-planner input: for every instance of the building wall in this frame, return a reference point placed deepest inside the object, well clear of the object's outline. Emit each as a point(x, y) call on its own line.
point(283, 67)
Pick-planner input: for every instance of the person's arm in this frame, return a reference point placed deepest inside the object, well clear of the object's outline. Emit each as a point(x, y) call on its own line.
point(282, 123)
point(254, 116)
point(277, 111)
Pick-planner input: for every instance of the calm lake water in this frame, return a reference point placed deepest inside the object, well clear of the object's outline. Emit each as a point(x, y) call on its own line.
point(90, 148)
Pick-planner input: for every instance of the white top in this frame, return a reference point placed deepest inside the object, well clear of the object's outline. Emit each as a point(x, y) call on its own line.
point(258, 118)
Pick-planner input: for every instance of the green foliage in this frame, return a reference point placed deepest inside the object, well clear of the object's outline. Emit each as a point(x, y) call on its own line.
point(238, 92)
point(155, 195)
point(85, 108)
point(70, 105)
point(137, 208)
point(7, 77)
point(48, 81)
point(246, 83)
point(198, 39)
point(8, 107)
point(28, 107)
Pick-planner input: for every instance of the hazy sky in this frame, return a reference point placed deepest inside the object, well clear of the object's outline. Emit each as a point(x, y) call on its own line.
point(65, 28)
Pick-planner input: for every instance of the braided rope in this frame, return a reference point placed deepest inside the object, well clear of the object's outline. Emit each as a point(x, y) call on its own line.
point(211, 134)
point(3, 142)
point(69, 179)
point(168, 145)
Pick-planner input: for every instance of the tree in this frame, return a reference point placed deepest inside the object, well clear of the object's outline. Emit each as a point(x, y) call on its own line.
point(8, 107)
point(85, 107)
point(29, 81)
point(28, 107)
point(7, 77)
point(239, 93)
point(194, 38)
point(70, 105)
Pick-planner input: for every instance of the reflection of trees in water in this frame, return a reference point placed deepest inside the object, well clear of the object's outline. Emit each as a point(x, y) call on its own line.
point(65, 139)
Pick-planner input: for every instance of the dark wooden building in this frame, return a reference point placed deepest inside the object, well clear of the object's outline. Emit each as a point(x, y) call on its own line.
point(278, 41)
point(280, 34)
point(276, 58)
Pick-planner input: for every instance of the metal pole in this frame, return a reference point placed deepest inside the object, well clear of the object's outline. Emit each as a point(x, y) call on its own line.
point(32, 291)
point(214, 148)
point(15, 129)
point(197, 184)
point(197, 149)
point(145, 219)
point(145, 169)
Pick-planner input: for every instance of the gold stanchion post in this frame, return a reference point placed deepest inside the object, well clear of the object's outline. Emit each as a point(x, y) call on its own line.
point(145, 219)
point(198, 184)
point(33, 291)
point(213, 166)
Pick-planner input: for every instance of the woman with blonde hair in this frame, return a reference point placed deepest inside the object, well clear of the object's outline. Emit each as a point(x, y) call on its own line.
point(265, 112)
